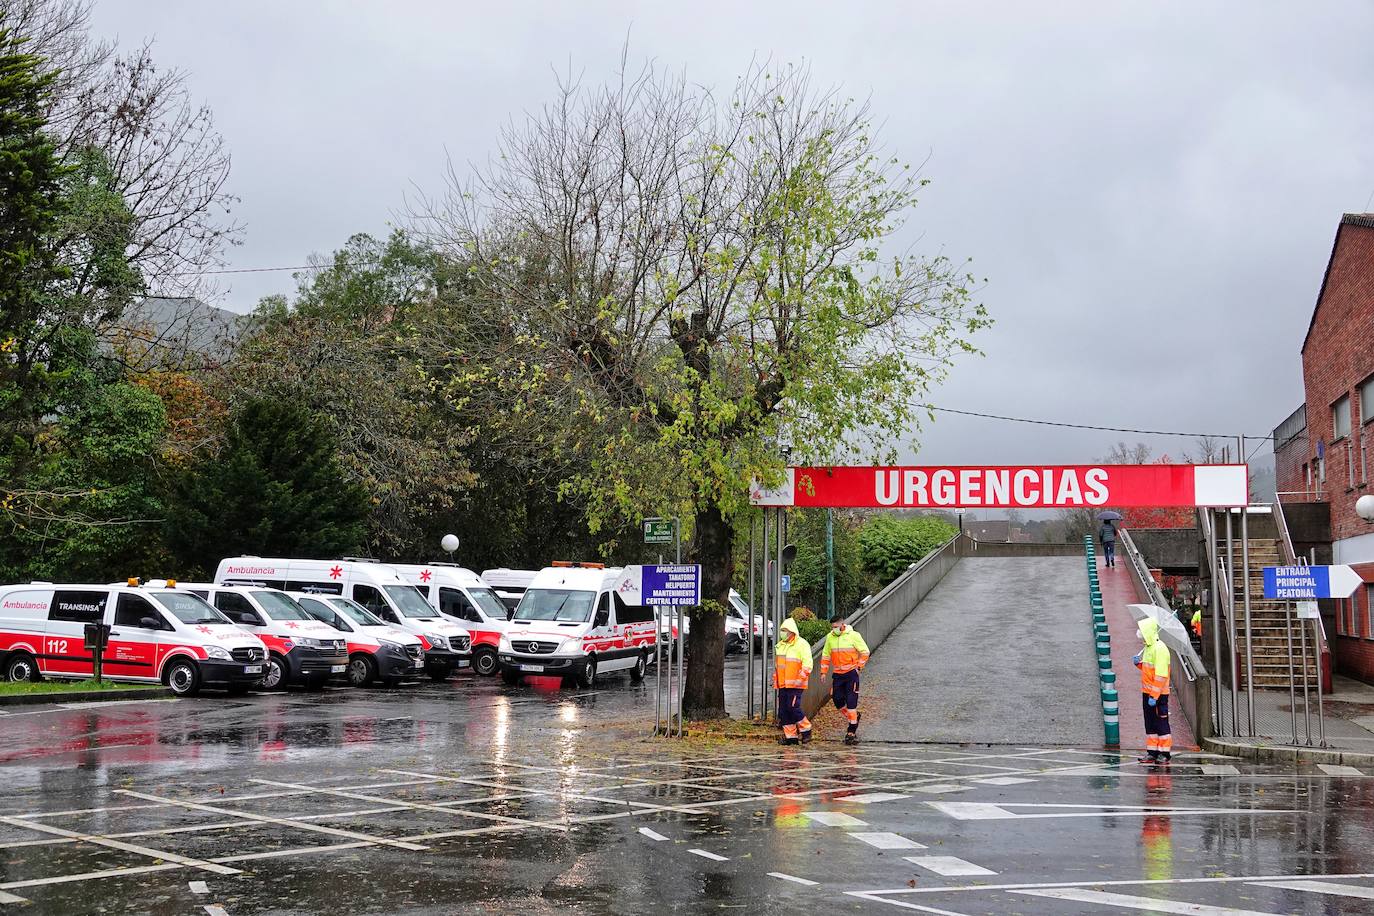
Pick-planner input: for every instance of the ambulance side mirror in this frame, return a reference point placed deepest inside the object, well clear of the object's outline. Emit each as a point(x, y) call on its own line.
point(602, 618)
point(149, 623)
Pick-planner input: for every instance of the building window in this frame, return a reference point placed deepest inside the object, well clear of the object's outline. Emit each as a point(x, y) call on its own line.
point(1340, 616)
point(1340, 418)
point(1367, 400)
point(1349, 463)
point(1369, 611)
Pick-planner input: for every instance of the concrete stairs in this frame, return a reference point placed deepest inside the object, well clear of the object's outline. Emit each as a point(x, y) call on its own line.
point(1269, 625)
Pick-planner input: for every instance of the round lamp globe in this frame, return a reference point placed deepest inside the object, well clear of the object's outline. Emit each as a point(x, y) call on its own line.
point(1364, 506)
point(449, 543)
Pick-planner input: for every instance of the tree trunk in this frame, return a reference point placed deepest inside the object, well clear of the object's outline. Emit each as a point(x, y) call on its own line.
point(704, 697)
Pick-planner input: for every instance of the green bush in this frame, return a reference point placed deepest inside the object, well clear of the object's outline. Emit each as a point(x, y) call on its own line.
point(803, 613)
point(813, 631)
point(889, 545)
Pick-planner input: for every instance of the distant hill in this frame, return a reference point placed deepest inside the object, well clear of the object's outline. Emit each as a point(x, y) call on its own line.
point(179, 331)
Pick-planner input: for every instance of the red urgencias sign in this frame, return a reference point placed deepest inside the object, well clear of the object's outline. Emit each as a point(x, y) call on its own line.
point(1010, 486)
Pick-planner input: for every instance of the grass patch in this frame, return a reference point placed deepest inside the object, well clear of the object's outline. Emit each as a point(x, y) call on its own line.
point(17, 688)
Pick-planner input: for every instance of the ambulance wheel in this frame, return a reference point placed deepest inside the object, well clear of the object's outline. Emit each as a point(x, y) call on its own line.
point(640, 669)
point(361, 670)
point(22, 667)
point(275, 678)
point(510, 677)
point(484, 662)
point(183, 677)
point(585, 676)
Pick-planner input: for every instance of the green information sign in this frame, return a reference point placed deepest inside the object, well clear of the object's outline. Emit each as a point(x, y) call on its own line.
point(658, 531)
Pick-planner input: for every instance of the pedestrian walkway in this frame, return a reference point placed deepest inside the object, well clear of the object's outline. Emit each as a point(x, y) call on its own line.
point(1349, 725)
point(1118, 590)
point(999, 653)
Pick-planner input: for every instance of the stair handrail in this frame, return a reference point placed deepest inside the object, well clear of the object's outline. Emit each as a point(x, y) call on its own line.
point(1192, 662)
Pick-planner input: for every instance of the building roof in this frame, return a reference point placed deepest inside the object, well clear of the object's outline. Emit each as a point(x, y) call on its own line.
point(1364, 221)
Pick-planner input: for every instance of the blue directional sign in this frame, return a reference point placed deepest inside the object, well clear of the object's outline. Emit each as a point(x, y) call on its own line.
point(1308, 583)
point(787, 583)
point(670, 586)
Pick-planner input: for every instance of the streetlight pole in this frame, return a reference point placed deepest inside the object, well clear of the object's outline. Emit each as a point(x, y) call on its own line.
point(829, 564)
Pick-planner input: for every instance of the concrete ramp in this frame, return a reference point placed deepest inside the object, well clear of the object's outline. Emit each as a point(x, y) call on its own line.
point(1000, 652)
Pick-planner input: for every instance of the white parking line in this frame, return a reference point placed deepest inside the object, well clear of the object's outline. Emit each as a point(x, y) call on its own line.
point(122, 846)
point(656, 837)
point(940, 788)
point(1323, 887)
point(1218, 769)
point(279, 821)
point(215, 910)
point(833, 819)
point(1003, 781)
point(708, 855)
point(949, 866)
point(91, 875)
point(870, 798)
point(11, 898)
point(1331, 769)
point(1151, 904)
point(198, 887)
point(793, 878)
point(418, 806)
point(887, 841)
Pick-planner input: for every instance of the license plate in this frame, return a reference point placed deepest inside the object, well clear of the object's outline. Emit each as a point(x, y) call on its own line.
point(531, 667)
point(419, 663)
point(338, 669)
point(252, 669)
point(462, 664)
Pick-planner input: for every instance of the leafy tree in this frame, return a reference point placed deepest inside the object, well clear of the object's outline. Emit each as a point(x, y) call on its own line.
point(274, 489)
point(675, 287)
point(889, 545)
point(806, 529)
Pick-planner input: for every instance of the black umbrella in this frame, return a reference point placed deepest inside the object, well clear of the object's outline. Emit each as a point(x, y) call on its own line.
point(1109, 516)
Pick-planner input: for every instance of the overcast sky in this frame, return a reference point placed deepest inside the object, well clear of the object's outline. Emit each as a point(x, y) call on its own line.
point(1151, 190)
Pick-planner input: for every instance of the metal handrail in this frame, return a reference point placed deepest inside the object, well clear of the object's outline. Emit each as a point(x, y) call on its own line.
point(1291, 558)
point(1192, 662)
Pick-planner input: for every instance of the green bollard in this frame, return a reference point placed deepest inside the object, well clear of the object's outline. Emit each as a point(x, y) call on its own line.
point(1111, 718)
point(1104, 663)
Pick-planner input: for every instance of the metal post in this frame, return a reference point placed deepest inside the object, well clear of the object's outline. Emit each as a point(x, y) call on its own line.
point(658, 672)
point(1292, 685)
point(1249, 633)
point(1231, 623)
point(766, 610)
point(1306, 697)
point(829, 564)
point(749, 622)
point(681, 654)
point(1321, 703)
point(781, 532)
point(1216, 608)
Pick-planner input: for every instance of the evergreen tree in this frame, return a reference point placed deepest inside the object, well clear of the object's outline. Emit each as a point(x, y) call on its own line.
point(275, 489)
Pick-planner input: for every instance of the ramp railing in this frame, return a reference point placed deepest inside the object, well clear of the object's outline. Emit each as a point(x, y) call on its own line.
point(885, 611)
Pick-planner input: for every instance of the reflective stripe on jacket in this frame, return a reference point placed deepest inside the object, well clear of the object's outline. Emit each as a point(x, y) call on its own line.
point(791, 660)
point(844, 651)
point(1154, 661)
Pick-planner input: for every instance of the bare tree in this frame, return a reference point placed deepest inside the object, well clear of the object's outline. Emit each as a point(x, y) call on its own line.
point(1205, 450)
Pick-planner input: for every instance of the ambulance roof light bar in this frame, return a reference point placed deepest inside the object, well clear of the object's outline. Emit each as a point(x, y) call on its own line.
point(569, 564)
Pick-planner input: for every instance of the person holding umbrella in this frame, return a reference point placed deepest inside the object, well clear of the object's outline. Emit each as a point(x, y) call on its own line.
point(1107, 535)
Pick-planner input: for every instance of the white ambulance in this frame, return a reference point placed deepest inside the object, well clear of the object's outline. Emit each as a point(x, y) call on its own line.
point(509, 584)
point(376, 651)
point(377, 587)
point(461, 594)
point(572, 624)
point(300, 649)
point(159, 634)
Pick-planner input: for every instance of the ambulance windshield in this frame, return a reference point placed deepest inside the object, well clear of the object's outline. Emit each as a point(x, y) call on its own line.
point(558, 604)
point(410, 602)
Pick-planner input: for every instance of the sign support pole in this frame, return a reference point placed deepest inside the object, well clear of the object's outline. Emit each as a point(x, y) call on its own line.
point(1212, 548)
point(1321, 704)
point(1293, 684)
point(777, 575)
point(829, 564)
point(766, 609)
point(1306, 694)
point(749, 644)
point(1234, 670)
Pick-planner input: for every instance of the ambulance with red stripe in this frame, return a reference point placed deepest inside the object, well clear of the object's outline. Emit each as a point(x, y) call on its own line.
point(159, 634)
point(300, 649)
point(571, 623)
point(376, 652)
point(377, 587)
point(461, 594)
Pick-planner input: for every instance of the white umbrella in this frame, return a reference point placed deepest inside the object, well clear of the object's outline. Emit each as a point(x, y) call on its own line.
point(1171, 631)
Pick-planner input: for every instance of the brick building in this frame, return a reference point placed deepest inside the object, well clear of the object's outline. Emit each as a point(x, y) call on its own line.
point(1324, 451)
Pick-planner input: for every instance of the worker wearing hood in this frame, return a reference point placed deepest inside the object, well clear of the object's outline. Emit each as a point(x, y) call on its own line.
point(791, 671)
point(1153, 662)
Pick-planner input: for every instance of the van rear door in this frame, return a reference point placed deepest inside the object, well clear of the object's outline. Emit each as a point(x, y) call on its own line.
point(64, 646)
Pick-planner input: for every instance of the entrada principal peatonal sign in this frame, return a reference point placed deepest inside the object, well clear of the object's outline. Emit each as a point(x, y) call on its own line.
point(1010, 486)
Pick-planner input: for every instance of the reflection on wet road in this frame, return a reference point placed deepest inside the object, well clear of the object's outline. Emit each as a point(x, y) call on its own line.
point(473, 797)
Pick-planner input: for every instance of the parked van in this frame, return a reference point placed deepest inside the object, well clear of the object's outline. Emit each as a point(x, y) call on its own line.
point(375, 651)
point(300, 649)
point(461, 594)
point(739, 610)
point(572, 624)
point(377, 587)
point(509, 584)
point(159, 634)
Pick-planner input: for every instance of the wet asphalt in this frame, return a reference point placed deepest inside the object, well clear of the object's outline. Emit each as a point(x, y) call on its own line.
point(472, 797)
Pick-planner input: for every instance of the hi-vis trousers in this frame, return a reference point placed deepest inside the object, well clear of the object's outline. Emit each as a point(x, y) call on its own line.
point(794, 721)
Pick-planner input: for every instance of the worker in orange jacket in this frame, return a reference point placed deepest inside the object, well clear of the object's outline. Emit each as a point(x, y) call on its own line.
point(846, 652)
point(1153, 662)
point(791, 671)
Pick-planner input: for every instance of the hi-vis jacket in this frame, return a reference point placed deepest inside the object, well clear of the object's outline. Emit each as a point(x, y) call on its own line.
point(791, 659)
point(1154, 661)
point(1197, 623)
point(845, 651)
